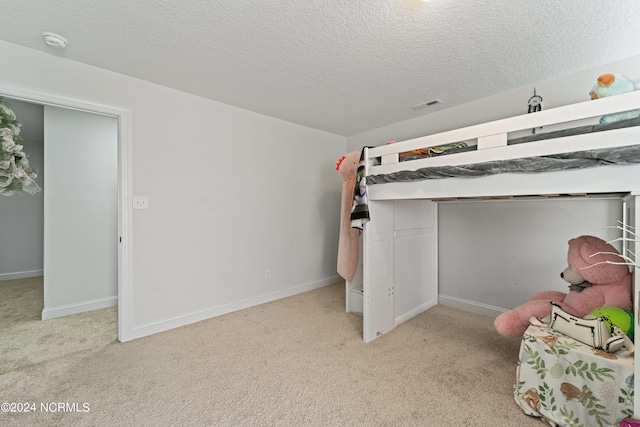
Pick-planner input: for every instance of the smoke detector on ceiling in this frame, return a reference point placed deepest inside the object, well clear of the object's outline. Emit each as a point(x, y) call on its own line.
point(55, 40)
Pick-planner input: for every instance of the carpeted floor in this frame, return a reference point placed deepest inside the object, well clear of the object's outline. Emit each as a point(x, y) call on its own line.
point(299, 361)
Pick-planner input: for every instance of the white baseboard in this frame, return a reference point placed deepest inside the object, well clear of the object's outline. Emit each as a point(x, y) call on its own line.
point(81, 307)
point(187, 319)
point(413, 313)
point(472, 306)
point(21, 275)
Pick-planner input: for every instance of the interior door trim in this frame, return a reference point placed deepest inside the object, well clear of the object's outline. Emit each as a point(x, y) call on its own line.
point(123, 115)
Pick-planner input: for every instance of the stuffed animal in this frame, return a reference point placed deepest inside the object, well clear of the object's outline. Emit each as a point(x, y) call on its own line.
point(349, 240)
point(597, 277)
point(615, 84)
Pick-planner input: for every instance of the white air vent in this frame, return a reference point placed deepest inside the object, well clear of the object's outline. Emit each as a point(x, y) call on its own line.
point(426, 104)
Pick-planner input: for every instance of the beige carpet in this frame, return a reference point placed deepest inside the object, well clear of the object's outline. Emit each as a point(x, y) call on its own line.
point(299, 361)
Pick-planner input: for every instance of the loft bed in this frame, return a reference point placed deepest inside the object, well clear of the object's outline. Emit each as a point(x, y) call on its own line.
point(397, 275)
point(468, 171)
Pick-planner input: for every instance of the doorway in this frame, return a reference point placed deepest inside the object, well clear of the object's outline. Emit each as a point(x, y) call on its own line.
point(123, 235)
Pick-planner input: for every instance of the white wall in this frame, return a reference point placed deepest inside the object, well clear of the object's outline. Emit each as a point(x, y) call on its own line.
point(496, 254)
point(81, 212)
point(231, 193)
point(563, 90)
point(21, 214)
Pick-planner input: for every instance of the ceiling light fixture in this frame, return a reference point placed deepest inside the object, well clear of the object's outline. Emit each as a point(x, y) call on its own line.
point(55, 40)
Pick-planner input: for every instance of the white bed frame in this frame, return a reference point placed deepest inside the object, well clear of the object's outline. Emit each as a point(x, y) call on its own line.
point(397, 278)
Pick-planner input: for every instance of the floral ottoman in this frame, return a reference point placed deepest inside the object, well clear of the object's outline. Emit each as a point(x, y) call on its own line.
point(572, 384)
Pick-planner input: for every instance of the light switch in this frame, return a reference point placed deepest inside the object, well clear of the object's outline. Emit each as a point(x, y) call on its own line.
point(140, 202)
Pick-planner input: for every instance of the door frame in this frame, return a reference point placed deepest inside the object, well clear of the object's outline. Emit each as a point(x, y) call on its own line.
point(123, 116)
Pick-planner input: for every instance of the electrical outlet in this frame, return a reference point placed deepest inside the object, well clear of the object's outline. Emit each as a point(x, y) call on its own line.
point(140, 202)
point(267, 274)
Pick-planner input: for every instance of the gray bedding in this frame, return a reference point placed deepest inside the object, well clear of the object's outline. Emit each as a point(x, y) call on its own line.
point(575, 160)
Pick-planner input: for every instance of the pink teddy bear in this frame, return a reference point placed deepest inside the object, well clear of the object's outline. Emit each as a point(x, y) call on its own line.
point(596, 276)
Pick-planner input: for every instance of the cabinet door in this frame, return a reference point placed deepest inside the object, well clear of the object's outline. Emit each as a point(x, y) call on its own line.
point(400, 249)
point(378, 313)
point(414, 255)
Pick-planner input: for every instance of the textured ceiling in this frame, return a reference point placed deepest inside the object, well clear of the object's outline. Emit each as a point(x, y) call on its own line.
point(343, 66)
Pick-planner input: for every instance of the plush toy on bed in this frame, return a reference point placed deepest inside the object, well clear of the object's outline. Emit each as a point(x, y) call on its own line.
point(615, 84)
point(596, 278)
point(348, 244)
